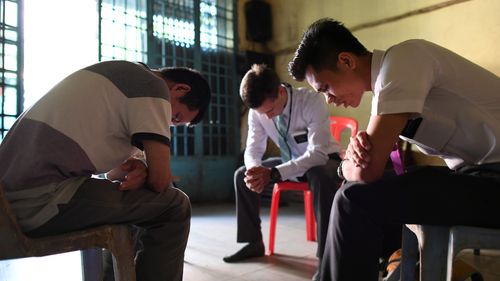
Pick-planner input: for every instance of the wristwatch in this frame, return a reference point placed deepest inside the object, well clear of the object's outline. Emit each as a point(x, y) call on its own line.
point(340, 173)
point(275, 175)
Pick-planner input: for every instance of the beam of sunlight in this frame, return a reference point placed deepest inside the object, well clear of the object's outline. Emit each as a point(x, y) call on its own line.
point(60, 37)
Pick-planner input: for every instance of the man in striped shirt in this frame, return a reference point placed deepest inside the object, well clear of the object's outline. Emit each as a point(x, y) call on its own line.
point(95, 121)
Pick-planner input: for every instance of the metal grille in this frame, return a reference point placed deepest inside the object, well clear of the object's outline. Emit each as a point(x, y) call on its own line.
point(11, 64)
point(123, 30)
point(191, 33)
point(176, 43)
point(218, 62)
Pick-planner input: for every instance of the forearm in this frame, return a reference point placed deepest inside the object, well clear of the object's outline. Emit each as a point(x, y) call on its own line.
point(158, 160)
point(382, 133)
point(351, 172)
point(253, 158)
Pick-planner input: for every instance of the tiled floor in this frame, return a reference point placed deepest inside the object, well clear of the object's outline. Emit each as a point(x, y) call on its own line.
point(213, 235)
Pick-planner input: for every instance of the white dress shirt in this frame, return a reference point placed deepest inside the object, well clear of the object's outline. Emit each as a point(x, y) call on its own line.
point(456, 99)
point(309, 118)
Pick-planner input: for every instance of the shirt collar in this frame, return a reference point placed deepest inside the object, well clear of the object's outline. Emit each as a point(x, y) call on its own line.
point(286, 110)
point(377, 59)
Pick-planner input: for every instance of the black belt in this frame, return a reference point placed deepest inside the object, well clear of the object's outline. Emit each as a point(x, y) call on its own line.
point(411, 127)
point(483, 170)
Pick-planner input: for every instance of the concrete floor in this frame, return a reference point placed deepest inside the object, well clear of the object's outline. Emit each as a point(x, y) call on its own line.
point(213, 235)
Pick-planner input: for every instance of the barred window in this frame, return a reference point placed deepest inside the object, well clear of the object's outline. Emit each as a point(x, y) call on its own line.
point(11, 64)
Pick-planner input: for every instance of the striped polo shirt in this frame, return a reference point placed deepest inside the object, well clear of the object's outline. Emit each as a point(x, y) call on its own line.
point(88, 124)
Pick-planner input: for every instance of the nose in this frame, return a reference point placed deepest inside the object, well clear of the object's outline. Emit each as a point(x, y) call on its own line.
point(329, 98)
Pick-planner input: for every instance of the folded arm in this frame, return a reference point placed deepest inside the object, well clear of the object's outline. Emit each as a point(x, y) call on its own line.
point(382, 133)
point(131, 174)
point(158, 159)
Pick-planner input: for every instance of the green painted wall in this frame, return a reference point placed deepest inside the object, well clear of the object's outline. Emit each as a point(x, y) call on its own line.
point(468, 27)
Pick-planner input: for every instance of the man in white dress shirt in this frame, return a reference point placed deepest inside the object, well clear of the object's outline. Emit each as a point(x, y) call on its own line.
point(308, 153)
point(444, 104)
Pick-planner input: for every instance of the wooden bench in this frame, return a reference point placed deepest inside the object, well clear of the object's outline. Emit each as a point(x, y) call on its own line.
point(116, 238)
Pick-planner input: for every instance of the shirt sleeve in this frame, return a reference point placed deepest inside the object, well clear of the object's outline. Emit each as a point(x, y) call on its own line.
point(404, 81)
point(319, 139)
point(148, 118)
point(256, 141)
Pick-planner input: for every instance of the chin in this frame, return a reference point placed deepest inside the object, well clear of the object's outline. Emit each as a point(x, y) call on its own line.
point(355, 105)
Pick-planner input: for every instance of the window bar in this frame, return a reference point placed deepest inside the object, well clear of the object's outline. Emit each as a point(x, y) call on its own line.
point(20, 57)
point(196, 64)
point(219, 105)
point(11, 39)
point(2, 36)
point(227, 121)
point(235, 79)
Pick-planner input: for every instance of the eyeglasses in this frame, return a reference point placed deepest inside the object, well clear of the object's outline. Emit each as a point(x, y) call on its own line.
point(177, 118)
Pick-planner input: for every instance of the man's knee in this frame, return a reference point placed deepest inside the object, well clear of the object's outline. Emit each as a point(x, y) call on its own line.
point(327, 172)
point(315, 171)
point(239, 176)
point(183, 210)
point(240, 172)
point(186, 205)
point(346, 195)
point(323, 178)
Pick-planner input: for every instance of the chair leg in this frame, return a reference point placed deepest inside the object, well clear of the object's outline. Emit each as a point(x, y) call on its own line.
point(273, 216)
point(92, 264)
point(123, 250)
point(123, 267)
point(409, 256)
point(310, 219)
point(453, 249)
point(434, 253)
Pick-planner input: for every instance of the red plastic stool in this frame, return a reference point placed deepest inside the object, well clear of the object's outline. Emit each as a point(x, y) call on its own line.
point(308, 206)
point(337, 125)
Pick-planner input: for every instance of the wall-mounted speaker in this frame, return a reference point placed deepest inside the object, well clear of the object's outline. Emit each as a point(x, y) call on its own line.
point(258, 21)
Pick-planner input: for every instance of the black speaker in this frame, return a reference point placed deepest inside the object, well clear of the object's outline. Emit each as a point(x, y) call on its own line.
point(259, 22)
point(247, 58)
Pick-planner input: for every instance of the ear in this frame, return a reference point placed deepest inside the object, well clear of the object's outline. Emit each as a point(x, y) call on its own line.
point(180, 89)
point(346, 60)
point(281, 90)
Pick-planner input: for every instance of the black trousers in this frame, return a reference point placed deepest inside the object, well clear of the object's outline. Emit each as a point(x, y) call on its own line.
point(322, 181)
point(362, 214)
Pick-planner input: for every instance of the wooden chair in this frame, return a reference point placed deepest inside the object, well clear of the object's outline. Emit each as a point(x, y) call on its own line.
point(116, 238)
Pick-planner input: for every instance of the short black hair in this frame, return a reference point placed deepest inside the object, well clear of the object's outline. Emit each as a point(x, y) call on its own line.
point(198, 98)
point(259, 84)
point(321, 45)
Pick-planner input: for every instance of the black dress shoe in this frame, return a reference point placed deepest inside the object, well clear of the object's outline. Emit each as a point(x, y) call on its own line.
point(251, 250)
